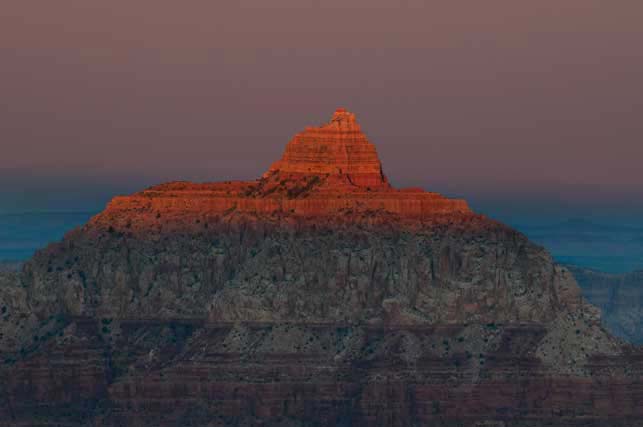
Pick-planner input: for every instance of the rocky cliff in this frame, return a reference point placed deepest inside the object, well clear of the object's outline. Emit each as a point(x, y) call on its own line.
point(315, 295)
point(619, 296)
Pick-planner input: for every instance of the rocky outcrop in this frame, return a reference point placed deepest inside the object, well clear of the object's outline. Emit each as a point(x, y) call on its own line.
point(316, 295)
point(619, 296)
point(338, 149)
point(325, 171)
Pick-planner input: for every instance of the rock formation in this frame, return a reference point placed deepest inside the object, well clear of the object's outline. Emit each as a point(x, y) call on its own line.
point(325, 171)
point(316, 295)
point(338, 149)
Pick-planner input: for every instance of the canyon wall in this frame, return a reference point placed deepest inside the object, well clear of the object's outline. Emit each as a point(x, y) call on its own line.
point(317, 295)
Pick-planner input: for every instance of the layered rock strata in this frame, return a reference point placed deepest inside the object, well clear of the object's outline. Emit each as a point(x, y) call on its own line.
point(317, 295)
point(118, 372)
point(338, 149)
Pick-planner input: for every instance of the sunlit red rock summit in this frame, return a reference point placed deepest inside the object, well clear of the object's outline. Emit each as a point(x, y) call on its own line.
point(324, 171)
point(338, 150)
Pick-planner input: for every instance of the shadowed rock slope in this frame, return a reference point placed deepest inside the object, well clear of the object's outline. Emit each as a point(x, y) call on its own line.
point(317, 295)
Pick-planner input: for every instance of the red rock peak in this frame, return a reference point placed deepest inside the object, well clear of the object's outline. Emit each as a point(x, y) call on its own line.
point(337, 149)
point(325, 171)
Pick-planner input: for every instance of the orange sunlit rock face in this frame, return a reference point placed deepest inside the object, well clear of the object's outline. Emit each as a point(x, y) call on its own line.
point(338, 149)
point(324, 171)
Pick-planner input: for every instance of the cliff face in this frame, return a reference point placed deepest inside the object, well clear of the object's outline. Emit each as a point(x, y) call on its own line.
point(316, 295)
point(619, 296)
point(337, 149)
point(449, 270)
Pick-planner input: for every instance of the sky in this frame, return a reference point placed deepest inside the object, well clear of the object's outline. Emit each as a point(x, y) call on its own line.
point(530, 110)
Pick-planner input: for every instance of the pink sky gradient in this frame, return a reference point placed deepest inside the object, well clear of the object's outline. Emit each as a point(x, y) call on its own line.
point(499, 101)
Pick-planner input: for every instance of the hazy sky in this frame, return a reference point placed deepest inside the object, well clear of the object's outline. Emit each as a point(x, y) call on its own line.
point(525, 108)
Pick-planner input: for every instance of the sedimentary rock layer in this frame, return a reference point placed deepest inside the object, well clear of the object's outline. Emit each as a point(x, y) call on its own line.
point(325, 171)
point(115, 372)
point(338, 149)
point(317, 295)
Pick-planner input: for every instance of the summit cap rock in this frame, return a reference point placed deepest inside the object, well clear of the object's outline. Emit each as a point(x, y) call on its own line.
point(337, 148)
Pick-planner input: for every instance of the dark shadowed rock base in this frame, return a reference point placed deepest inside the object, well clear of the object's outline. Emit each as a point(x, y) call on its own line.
point(191, 373)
